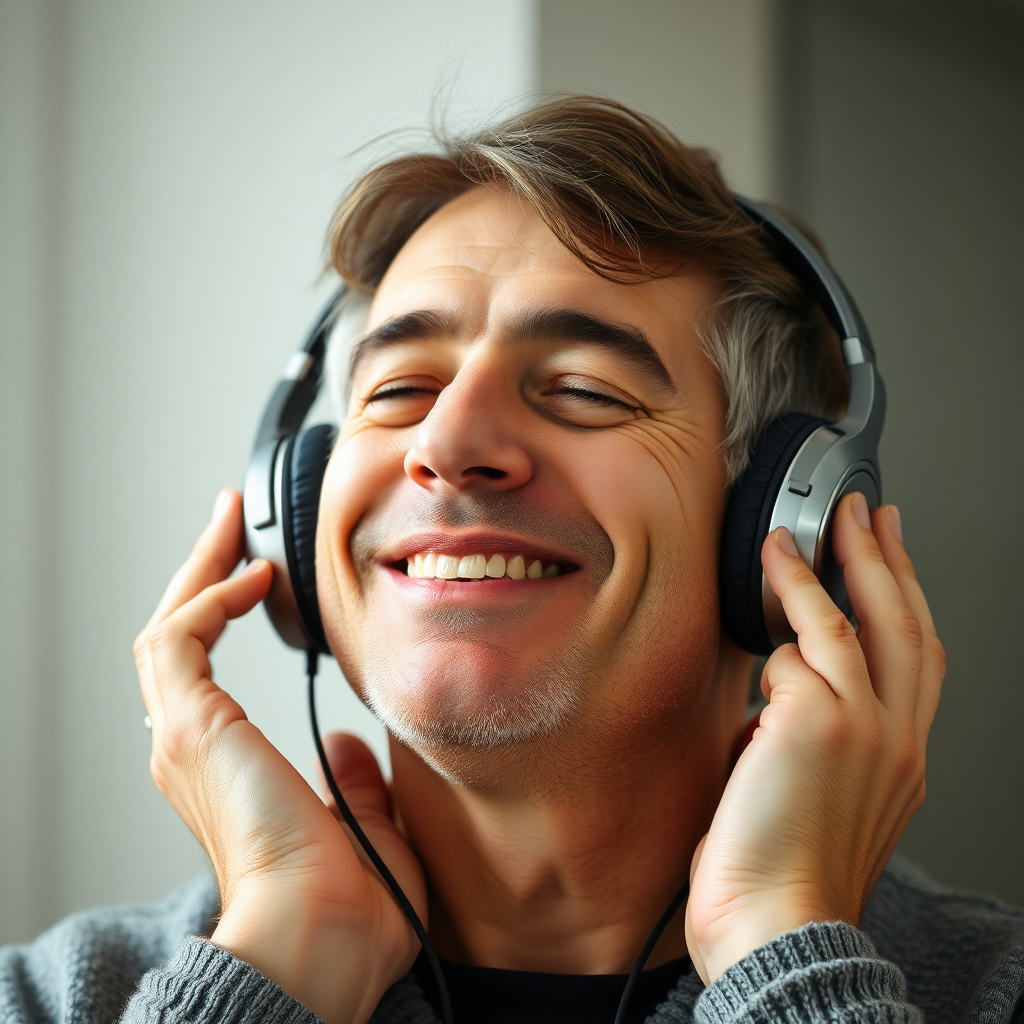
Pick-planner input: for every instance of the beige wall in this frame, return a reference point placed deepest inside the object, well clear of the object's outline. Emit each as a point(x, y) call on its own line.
point(704, 67)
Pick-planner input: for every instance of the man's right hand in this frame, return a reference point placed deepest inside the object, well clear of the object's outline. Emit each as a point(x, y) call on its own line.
point(299, 901)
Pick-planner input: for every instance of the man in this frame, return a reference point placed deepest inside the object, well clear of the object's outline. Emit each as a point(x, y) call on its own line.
point(573, 338)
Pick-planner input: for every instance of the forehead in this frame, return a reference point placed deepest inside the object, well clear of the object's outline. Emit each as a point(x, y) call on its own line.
point(487, 255)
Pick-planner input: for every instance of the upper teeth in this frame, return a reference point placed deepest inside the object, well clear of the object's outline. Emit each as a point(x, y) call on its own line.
point(431, 565)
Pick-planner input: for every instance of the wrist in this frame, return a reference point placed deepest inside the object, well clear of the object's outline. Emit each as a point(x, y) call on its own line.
point(750, 928)
point(323, 959)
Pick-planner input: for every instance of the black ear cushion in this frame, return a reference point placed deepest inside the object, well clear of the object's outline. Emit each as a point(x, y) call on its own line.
point(747, 518)
point(304, 465)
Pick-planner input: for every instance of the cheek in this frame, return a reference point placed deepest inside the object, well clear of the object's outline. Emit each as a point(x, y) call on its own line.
point(364, 465)
point(658, 494)
point(661, 502)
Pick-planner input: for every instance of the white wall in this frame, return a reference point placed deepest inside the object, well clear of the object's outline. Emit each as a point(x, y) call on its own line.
point(28, 136)
point(154, 282)
point(168, 173)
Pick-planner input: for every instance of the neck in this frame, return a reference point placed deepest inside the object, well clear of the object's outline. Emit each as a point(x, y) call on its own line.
point(567, 869)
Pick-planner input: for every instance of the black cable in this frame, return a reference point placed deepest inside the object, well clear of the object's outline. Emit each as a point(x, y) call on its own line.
point(627, 992)
point(407, 907)
point(375, 857)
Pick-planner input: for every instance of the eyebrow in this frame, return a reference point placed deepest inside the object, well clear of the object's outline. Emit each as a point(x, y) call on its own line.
point(625, 340)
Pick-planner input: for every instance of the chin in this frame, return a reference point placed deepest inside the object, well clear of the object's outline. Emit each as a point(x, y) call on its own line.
point(469, 701)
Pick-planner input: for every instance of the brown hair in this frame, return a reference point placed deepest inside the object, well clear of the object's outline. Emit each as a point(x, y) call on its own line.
point(631, 202)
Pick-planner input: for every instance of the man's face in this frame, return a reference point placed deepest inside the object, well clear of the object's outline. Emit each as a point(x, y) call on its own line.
point(508, 401)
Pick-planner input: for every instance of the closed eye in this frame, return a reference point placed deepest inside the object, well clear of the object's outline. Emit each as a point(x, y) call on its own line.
point(592, 396)
point(400, 392)
point(583, 402)
point(401, 402)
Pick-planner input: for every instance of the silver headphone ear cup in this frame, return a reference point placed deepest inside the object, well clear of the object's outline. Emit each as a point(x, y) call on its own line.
point(808, 516)
point(747, 523)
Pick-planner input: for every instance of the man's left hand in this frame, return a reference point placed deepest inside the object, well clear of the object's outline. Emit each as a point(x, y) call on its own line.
point(836, 767)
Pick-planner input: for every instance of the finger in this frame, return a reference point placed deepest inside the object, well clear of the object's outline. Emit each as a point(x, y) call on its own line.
point(178, 647)
point(363, 788)
point(797, 696)
point(828, 643)
point(358, 776)
point(695, 861)
point(216, 553)
point(890, 634)
point(786, 667)
point(889, 531)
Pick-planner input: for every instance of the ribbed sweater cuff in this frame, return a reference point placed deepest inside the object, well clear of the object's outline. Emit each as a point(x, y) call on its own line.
point(819, 972)
point(203, 983)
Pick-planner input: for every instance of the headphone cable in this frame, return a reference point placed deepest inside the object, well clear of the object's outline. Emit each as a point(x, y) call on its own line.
point(375, 857)
point(407, 907)
point(652, 939)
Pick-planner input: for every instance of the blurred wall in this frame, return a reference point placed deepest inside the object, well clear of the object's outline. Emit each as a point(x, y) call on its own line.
point(706, 68)
point(895, 127)
point(168, 172)
point(905, 147)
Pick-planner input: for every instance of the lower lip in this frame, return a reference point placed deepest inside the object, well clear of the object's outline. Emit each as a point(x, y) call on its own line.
point(475, 591)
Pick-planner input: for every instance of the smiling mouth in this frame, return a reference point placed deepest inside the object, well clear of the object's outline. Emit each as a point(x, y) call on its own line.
point(478, 568)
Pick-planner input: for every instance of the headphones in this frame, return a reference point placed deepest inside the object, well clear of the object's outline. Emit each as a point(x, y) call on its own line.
point(800, 466)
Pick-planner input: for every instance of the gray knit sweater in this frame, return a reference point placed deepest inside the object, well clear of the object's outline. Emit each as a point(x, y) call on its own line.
point(921, 954)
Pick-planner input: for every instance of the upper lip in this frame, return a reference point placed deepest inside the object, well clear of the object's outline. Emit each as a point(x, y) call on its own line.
point(473, 542)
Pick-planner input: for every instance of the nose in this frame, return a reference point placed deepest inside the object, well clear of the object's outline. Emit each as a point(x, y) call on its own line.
point(471, 439)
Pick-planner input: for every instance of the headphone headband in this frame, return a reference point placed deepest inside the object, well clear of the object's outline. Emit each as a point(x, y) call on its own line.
point(805, 260)
point(297, 389)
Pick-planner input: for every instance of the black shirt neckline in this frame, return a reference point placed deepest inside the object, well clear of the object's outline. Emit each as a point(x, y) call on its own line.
point(491, 995)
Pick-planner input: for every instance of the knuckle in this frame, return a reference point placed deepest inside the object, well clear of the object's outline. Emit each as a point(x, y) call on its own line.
point(803, 577)
point(919, 796)
point(140, 648)
point(176, 741)
point(937, 653)
point(159, 639)
point(872, 553)
point(908, 760)
point(908, 627)
point(837, 628)
point(906, 567)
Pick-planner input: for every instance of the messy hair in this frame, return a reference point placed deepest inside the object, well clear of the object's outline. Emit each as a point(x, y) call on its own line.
point(630, 202)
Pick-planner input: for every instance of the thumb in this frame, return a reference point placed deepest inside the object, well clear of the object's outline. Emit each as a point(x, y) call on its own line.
point(358, 776)
point(696, 858)
point(692, 946)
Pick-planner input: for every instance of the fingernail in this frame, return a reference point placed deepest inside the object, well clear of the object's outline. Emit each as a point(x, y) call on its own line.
point(254, 565)
point(220, 506)
point(895, 524)
point(786, 542)
point(860, 511)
